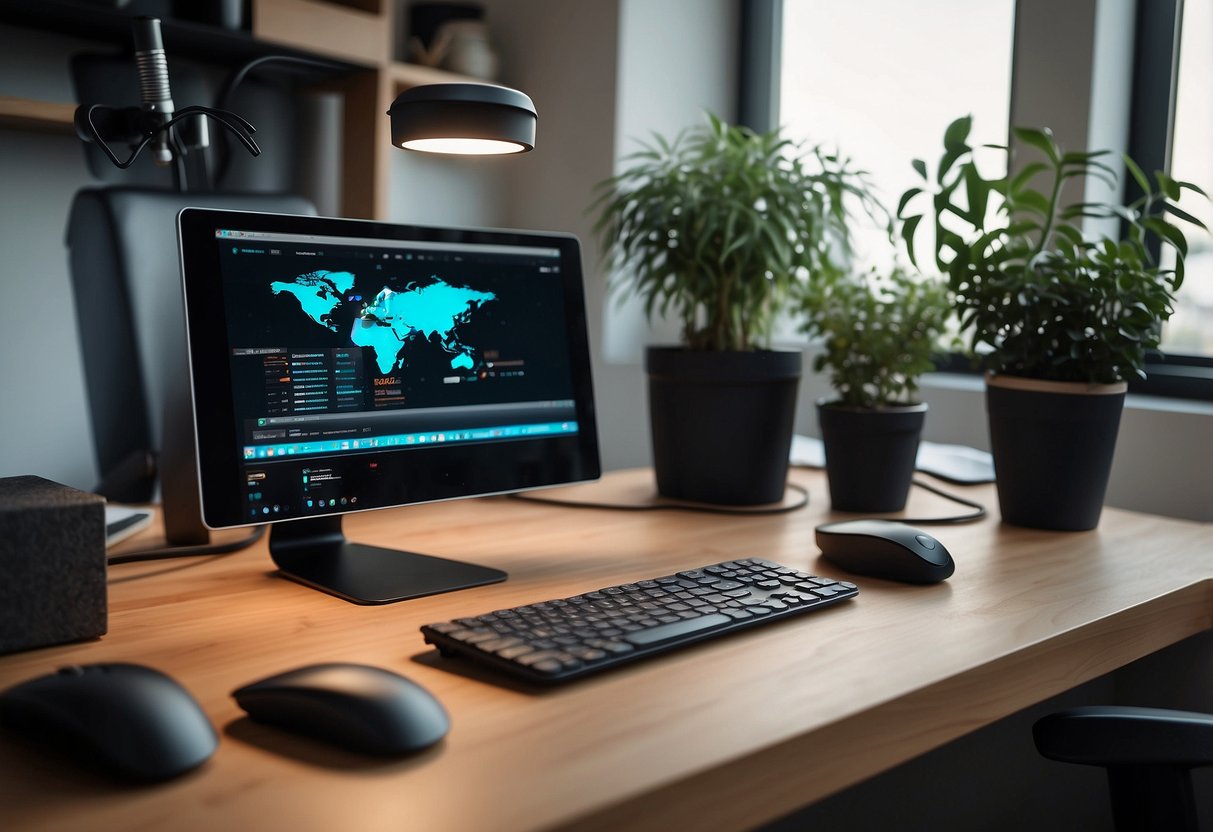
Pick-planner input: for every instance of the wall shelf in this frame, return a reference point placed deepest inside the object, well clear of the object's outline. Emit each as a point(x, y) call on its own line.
point(356, 35)
point(45, 116)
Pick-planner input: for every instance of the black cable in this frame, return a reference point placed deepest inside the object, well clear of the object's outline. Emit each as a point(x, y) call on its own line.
point(943, 521)
point(168, 552)
point(237, 78)
point(979, 513)
point(234, 123)
point(801, 503)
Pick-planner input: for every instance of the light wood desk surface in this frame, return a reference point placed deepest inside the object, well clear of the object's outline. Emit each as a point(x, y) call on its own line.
point(727, 734)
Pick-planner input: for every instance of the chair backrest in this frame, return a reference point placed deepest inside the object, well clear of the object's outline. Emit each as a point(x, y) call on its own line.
point(126, 277)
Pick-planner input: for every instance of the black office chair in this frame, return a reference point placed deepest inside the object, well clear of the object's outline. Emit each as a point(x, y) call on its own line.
point(1149, 754)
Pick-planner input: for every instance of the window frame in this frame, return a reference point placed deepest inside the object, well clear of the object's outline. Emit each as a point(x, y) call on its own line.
point(1151, 127)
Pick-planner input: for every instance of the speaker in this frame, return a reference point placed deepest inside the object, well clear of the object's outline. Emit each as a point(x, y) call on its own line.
point(52, 564)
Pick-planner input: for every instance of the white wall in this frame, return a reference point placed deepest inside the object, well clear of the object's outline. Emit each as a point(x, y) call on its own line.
point(44, 422)
point(602, 72)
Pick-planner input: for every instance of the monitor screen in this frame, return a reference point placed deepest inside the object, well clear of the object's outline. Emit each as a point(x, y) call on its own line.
point(344, 365)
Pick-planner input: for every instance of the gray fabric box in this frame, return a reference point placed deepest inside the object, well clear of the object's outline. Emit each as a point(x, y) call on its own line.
point(52, 564)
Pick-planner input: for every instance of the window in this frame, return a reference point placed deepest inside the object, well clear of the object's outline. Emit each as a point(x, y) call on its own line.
point(1190, 330)
point(881, 79)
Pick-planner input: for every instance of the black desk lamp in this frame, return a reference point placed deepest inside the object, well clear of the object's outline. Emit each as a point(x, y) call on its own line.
point(463, 119)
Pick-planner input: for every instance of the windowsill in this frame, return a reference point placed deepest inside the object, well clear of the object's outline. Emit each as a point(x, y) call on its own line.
point(1159, 404)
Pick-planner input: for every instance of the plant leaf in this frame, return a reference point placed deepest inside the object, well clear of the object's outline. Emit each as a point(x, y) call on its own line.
point(954, 137)
point(908, 226)
point(1040, 139)
point(905, 198)
point(1183, 215)
point(1139, 176)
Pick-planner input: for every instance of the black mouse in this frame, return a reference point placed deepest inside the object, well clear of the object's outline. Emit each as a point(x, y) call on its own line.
point(356, 706)
point(128, 720)
point(884, 549)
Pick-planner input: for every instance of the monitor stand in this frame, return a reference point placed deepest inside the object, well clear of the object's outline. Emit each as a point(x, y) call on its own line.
point(315, 553)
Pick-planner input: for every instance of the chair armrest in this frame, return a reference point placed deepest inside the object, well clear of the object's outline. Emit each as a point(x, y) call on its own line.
point(1123, 736)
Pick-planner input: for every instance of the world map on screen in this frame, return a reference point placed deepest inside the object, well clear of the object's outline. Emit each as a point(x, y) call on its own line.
point(391, 323)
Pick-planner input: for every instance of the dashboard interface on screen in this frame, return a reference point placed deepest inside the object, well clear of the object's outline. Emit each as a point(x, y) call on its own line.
point(392, 366)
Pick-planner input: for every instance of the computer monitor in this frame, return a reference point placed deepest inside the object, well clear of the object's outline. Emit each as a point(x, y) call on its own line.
point(345, 365)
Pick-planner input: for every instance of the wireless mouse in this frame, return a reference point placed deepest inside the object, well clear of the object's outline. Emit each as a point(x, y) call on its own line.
point(355, 706)
point(884, 549)
point(124, 719)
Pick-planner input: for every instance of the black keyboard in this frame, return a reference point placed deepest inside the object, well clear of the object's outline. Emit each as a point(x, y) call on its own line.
point(562, 639)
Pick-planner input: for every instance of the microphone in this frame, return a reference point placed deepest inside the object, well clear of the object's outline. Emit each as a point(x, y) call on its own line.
point(151, 123)
point(152, 65)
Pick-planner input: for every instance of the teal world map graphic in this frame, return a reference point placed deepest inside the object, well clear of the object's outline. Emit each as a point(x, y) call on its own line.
point(393, 320)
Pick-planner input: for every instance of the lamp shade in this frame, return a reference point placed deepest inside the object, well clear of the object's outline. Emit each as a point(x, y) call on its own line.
point(468, 119)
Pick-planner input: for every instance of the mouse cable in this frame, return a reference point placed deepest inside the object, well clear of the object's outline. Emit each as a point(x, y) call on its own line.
point(552, 501)
point(980, 510)
point(168, 552)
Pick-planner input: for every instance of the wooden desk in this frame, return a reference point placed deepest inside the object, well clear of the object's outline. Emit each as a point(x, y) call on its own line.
point(729, 733)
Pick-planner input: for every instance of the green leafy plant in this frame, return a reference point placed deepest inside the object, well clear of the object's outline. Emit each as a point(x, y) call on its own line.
point(878, 332)
point(720, 225)
point(1039, 299)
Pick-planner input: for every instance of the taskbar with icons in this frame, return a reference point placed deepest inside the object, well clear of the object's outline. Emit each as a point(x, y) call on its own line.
point(313, 503)
point(399, 440)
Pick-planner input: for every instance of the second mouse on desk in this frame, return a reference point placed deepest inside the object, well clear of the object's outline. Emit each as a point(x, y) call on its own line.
point(356, 706)
point(885, 549)
point(125, 719)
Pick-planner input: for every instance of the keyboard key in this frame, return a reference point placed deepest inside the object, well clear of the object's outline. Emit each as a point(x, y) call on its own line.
point(682, 628)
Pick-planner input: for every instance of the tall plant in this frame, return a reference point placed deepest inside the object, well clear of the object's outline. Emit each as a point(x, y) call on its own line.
point(1038, 298)
point(719, 225)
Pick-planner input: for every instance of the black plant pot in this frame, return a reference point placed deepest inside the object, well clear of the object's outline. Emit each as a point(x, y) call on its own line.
point(1052, 444)
point(722, 423)
point(870, 454)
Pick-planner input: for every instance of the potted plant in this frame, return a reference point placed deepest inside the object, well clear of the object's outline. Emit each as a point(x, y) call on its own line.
point(1059, 319)
point(717, 227)
point(878, 335)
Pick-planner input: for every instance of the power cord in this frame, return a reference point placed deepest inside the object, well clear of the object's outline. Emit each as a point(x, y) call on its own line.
point(943, 521)
point(169, 552)
point(978, 513)
point(799, 504)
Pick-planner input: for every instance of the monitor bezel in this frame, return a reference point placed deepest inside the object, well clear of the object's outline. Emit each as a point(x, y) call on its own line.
point(208, 348)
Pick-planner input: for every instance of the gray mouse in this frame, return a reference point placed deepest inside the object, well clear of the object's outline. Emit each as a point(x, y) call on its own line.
point(125, 719)
point(885, 549)
point(356, 706)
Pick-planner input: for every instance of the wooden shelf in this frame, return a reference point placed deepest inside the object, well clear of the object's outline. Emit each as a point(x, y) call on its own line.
point(46, 116)
point(356, 34)
point(324, 28)
point(404, 76)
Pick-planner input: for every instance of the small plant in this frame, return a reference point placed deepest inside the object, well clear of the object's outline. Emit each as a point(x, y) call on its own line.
point(719, 226)
point(879, 334)
point(1039, 299)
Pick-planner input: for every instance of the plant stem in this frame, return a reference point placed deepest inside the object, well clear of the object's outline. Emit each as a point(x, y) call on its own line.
point(1047, 231)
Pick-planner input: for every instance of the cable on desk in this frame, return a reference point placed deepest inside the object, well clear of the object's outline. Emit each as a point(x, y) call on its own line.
point(168, 552)
point(943, 521)
point(978, 513)
point(553, 501)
